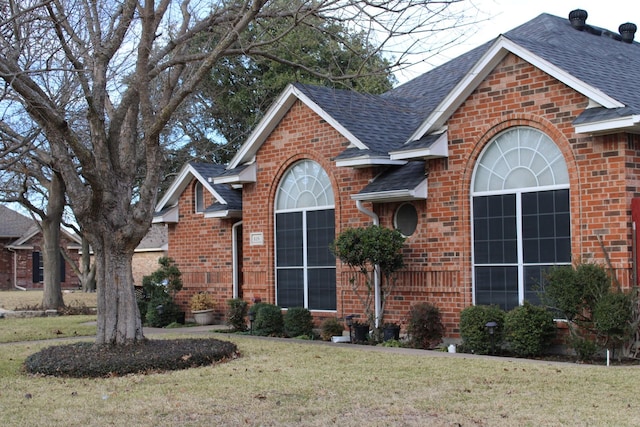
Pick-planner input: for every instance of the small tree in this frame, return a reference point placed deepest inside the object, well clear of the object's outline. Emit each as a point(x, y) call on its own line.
point(584, 296)
point(373, 252)
point(160, 288)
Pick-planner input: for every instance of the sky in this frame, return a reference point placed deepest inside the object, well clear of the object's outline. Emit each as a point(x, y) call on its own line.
point(499, 16)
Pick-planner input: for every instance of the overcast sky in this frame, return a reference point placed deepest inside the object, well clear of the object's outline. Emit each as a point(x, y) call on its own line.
point(503, 15)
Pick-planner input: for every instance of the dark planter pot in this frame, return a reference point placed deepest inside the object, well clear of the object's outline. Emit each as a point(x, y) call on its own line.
point(391, 333)
point(180, 318)
point(360, 333)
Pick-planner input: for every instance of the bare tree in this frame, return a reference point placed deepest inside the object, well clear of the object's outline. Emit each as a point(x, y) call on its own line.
point(28, 180)
point(117, 70)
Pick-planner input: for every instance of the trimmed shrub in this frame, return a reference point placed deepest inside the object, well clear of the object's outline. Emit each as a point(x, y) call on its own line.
point(612, 318)
point(237, 310)
point(585, 348)
point(529, 329)
point(331, 327)
point(474, 333)
point(269, 320)
point(424, 326)
point(298, 322)
point(160, 317)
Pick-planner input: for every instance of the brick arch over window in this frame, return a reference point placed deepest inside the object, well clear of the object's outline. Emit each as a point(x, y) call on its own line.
point(304, 229)
point(521, 222)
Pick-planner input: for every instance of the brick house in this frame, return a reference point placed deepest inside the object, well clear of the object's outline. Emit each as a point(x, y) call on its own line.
point(20, 253)
point(520, 154)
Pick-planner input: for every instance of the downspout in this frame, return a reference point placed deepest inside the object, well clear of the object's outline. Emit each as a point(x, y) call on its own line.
point(15, 270)
point(376, 268)
point(234, 249)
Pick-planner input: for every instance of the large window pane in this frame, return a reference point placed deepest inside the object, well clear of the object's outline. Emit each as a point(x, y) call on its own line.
point(289, 234)
point(497, 286)
point(320, 235)
point(322, 288)
point(291, 287)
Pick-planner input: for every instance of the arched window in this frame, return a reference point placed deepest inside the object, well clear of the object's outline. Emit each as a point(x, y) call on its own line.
point(521, 216)
point(198, 197)
point(305, 229)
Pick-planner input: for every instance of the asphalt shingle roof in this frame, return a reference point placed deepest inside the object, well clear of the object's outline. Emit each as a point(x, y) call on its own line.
point(13, 224)
point(232, 196)
point(407, 176)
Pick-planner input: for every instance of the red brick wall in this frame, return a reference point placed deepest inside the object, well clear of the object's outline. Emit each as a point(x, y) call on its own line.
point(6, 265)
point(202, 249)
point(603, 178)
point(24, 276)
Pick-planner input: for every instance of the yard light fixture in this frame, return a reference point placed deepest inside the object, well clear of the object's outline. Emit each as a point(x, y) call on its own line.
point(160, 310)
point(252, 317)
point(349, 321)
point(491, 327)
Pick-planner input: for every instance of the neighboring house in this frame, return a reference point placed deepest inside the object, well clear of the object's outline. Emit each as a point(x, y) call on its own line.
point(518, 155)
point(20, 253)
point(152, 247)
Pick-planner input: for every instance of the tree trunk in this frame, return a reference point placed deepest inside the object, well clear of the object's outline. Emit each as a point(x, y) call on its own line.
point(87, 274)
point(118, 316)
point(51, 257)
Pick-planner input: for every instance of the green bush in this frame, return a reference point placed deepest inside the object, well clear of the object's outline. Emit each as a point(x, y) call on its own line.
point(269, 320)
point(331, 327)
point(424, 326)
point(298, 322)
point(474, 333)
point(529, 329)
point(585, 348)
point(237, 310)
point(612, 318)
point(159, 318)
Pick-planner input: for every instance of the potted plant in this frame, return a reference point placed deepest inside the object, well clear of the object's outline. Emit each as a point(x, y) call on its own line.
point(391, 331)
point(374, 254)
point(202, 307)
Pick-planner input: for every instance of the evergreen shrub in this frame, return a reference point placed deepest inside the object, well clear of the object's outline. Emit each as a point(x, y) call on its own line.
point(269, 320)
point(474, 333)
point(298, 322)
point(529, 329)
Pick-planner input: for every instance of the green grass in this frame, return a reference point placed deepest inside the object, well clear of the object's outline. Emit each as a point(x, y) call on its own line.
point(286, 382)
point(43, 328)
point(16, 300)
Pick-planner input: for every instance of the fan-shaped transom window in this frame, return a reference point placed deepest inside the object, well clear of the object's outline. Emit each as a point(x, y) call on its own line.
point(521, 217)
point(305, 185)
point(521, 157)
point(304, 232)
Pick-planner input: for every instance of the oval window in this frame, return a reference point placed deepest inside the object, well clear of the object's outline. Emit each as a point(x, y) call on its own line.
point(406, 219)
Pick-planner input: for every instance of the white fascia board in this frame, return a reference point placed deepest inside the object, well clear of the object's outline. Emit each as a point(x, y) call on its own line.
point(180, 183)
point(248, 174)
point(176, 188)
point(273, 116)
point(440, 148)
point(418, 193)
point(363, 162)
point(607, 126)
point(169, 217)
point(485, 65)
point(224, 214)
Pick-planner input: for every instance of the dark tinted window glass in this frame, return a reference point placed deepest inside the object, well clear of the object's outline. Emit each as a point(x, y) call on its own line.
point(289, 239)
point(290, 288)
